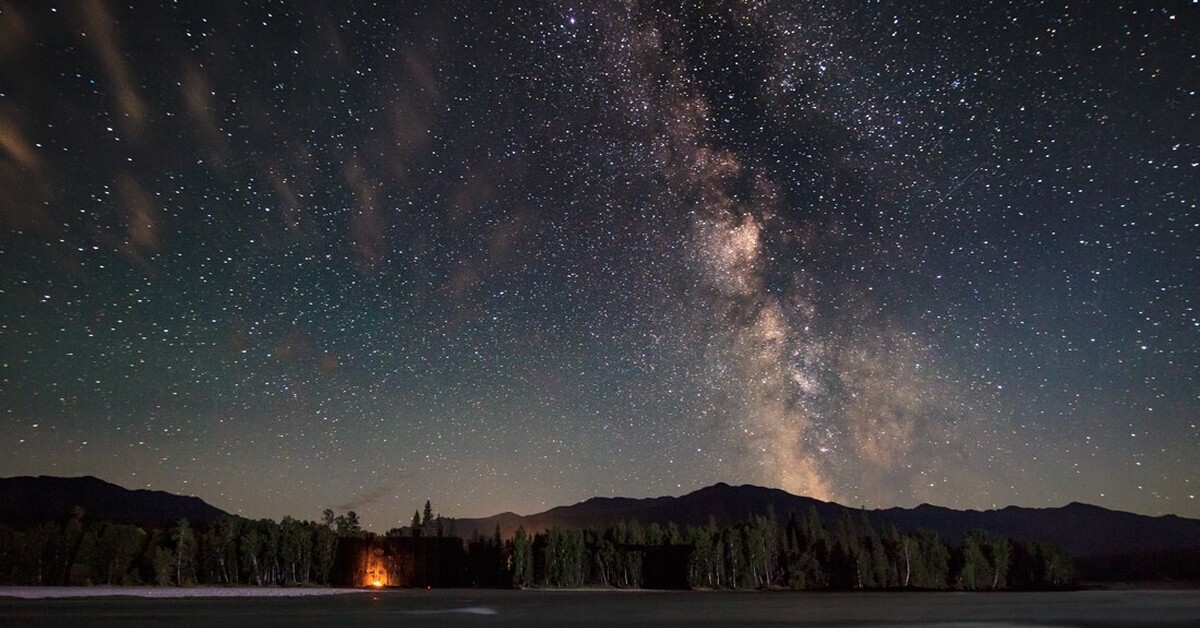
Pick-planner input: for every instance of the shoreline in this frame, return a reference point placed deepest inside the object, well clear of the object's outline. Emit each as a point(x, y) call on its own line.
point(152, 592)
point(46, 593)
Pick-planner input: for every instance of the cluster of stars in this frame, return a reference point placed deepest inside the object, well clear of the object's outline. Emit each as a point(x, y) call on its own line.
point(290, 258)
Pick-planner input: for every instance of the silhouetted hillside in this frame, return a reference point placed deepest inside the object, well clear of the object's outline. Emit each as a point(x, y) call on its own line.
point(1081, 529)
point(721, 502)
point(27, 499)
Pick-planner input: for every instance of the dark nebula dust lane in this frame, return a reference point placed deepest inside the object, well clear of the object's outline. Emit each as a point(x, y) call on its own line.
point(509, 256)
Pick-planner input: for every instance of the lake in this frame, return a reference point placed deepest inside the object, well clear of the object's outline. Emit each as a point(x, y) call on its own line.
point(465, 607)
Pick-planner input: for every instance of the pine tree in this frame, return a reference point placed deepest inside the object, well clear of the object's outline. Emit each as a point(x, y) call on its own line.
point(427, 520)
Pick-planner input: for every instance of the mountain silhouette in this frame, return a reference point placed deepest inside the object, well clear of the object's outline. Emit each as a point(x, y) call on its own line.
point(28, 499)
point(1081, 529)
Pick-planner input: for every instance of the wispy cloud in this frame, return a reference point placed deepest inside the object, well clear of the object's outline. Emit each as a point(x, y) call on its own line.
point(365, 497)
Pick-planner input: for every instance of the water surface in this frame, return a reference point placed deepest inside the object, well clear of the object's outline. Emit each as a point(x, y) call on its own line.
point(616, 608)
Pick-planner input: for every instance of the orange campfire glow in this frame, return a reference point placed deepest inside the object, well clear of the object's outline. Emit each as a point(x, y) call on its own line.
point(375, 575)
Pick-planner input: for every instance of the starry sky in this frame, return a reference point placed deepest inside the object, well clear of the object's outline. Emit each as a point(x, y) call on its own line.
point(507, 256)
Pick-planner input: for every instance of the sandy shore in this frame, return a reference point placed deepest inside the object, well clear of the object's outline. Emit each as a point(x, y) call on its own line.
point(41, 593)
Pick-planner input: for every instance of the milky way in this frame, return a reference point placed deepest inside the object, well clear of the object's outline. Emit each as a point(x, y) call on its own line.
point(294, 257)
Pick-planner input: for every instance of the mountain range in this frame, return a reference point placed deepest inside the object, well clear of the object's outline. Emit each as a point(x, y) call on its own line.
point(1081, 529)
point(28, 499)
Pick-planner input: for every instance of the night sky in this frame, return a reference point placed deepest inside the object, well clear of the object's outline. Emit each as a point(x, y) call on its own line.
point(296, 256)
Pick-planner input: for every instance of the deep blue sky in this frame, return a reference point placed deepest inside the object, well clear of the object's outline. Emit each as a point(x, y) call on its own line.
point(286, 256)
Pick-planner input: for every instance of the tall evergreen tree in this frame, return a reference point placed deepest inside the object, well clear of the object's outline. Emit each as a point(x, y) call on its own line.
point(427, 520)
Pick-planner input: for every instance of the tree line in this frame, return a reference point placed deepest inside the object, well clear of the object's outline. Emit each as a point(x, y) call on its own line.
point(230, 550)
point(803, 553)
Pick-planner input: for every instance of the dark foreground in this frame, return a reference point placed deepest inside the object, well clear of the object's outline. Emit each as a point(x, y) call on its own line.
point(613, 608)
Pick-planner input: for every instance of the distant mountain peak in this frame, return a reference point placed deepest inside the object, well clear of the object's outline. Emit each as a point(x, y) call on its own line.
point(1082, 529)
point(28, 499)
